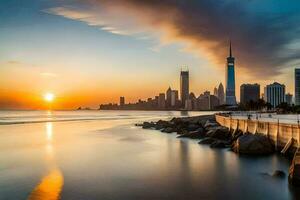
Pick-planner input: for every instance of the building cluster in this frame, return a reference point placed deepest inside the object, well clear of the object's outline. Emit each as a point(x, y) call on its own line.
point(274, 94)
point(170, 100)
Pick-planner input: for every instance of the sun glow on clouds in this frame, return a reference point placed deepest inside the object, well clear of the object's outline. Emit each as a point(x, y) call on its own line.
point(203, 26)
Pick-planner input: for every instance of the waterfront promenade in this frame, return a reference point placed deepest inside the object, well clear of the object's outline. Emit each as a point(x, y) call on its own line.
point(279, 128)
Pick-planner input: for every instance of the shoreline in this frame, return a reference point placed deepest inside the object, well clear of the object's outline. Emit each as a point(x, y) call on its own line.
point(208, 131)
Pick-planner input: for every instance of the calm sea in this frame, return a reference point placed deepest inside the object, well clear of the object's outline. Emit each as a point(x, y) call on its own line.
point(102, 155)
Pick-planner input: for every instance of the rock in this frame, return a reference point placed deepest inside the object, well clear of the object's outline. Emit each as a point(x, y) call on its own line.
point(197, 134)
point(168, 130)
point(220, 133)
point(256, 144)
point(181, 131)
point(279, 174)
point(148, 125)
point(236, 134)
point(192, 127)
point(164, 123)
point(210, 123)
point(219, 144)
point(207, 141)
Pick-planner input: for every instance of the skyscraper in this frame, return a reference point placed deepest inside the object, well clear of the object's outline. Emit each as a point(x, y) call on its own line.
point(230, 80)
point(122, 101)
point(168, 99)
point(174, 98)
point(249, 92)
point(184, 86)
point(216, 91)
point(161, 101)
point(274, 94)
point(221, 95)
point(297, 86)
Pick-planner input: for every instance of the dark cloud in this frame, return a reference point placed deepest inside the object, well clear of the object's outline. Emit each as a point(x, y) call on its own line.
point(262, 41)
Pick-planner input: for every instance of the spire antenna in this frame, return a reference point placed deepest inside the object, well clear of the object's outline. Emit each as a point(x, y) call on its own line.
point(230, 51)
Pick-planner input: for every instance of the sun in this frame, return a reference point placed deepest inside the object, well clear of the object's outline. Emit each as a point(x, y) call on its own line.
point(49, 97)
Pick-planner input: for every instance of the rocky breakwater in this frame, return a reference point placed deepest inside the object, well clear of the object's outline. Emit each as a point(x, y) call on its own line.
point(209, 132)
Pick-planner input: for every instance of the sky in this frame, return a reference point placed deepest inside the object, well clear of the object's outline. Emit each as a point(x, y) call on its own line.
point(88, 52)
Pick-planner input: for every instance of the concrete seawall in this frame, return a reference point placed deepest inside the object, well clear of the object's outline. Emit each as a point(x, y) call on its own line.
point(278, 133)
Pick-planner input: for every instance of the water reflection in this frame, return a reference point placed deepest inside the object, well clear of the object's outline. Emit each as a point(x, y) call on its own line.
point(51, 185)
point(49, 188)
point(49, 130)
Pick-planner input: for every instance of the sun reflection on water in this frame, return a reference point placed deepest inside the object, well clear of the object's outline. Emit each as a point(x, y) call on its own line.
point(49, 131)
point(51, 185)
point(49, 188)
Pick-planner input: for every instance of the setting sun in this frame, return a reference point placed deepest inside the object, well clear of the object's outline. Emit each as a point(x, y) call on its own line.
point(49, 97)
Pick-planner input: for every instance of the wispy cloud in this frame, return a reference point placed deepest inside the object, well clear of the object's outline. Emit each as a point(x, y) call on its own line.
point(260, 40)
point(13, 62)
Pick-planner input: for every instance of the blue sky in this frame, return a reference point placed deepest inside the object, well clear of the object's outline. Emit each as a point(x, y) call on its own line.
point(72, 56)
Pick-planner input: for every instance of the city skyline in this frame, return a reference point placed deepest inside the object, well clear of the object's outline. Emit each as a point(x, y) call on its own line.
point(75, 50)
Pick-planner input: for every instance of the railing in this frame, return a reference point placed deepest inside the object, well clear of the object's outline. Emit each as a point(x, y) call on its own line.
point(279, 133)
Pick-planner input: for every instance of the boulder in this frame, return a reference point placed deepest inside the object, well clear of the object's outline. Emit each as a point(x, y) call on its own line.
point(220, 133)
point(197, 134)
point(168, 130)
point(236, 134)
point(158, 126)
point(192, 127)
point(256, 144)
point(210, 123)
point(219, 144)
point(181, 131)
point(164, 123)
point(207, 140)
point(204, 118)
point(148, 125)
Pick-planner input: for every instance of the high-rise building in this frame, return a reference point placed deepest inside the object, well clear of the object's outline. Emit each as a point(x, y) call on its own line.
point(213, 102)
point(206, 101)
point(168, 99)
point(289, 99)
point(230, 80)
point(249, 92)
point(184, 86)
point(161, 101)
point(221, 95)
point(174, 98)
point(190, 102)
point(122, 101)
point(216, 91)
point(274, 94)
point(297, 86)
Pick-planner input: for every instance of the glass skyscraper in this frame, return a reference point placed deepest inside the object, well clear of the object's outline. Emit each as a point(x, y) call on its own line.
point(230, 80)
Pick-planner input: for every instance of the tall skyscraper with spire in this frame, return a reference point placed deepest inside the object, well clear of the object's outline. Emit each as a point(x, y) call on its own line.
point(230, 80)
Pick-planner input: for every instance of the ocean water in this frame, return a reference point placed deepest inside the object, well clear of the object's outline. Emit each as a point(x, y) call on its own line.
point(102, 155)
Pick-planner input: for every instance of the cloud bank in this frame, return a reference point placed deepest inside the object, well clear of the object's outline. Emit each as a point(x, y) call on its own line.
point(264, 42)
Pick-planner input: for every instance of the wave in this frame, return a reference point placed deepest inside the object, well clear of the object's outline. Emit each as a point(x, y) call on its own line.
point(25, 117)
